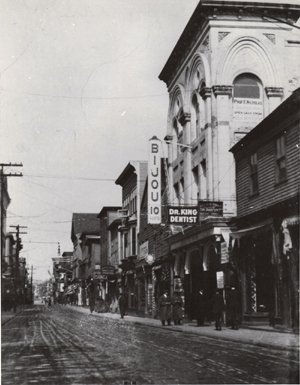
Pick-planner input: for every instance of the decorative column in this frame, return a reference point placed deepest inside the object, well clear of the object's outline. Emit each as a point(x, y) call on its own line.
point(169, 139)
point(185, 121)
point(275, 95)
point(224, 172)
point(205, 93)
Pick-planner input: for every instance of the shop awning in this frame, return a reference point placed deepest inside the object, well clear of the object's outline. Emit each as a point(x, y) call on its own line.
point(249, 230)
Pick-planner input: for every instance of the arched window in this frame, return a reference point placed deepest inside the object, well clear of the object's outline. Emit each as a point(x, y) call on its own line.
point(247, 86)
point(194, 118)
point(247, 101)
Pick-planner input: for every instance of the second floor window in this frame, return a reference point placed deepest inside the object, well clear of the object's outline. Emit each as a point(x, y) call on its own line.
point(253, 174)
point(133, 241)
point(280, 174)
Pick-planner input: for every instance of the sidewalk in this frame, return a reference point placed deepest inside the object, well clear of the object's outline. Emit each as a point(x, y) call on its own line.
point(265, 338)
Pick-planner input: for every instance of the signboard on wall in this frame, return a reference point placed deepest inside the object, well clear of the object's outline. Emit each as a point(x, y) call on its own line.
point(210, 209)
point(108, 270)
point(178, 215)
point(247, 111)
point(144, 250)
point(154, 181)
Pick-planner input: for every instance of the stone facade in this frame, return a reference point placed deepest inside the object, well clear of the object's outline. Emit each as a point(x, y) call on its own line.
point(227, 72)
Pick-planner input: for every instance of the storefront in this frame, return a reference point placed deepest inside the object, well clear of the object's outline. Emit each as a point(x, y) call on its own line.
point(200, 260)
point(266, 258)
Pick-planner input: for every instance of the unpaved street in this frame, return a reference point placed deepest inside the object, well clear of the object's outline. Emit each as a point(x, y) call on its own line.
point(59, 345)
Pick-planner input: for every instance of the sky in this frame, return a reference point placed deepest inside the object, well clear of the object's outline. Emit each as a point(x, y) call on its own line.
point(79, 98)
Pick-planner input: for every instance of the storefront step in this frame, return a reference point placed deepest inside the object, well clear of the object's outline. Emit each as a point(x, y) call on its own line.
point(256, 319)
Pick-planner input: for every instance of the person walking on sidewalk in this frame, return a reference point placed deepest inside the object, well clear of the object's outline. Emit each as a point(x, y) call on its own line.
point(122, 301)
point(165, 309)
point(177, 304)
point(233, 308)
point(92, 295)
point(200, 308)
point(218, 307)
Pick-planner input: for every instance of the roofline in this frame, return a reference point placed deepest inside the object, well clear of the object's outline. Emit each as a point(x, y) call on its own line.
point(108, 208)
point(131, 166)
point(205, 7)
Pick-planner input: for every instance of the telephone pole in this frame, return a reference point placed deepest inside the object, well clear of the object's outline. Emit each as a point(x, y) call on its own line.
point(18, 249)
point(3, 176)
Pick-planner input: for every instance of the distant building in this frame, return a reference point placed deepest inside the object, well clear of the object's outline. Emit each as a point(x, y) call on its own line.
point(85, 235)
point(110, 255)
point(132, 180)
point(266, 244)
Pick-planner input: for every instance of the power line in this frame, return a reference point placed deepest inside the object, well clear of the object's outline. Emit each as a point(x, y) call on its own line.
point(88, 97)
point(70, 177)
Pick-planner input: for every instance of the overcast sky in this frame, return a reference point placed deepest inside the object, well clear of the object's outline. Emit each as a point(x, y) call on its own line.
point(80, 97)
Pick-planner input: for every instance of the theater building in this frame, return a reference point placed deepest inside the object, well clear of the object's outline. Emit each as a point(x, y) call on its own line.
point(227, 72)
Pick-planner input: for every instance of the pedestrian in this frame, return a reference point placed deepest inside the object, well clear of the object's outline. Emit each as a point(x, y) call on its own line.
point(218, 307)
point(233, 308)
point(92, 295)
point(122, 301)
point(177, 304)
point(165, 310)
point(200, 307)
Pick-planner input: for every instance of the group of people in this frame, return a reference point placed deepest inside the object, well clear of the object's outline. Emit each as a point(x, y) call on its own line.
point(172, 308)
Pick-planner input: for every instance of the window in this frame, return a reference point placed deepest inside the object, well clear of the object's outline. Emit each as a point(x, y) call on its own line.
point(195, 185)
point(181, 191)
point(247, 102)
point(246, 86)
point(280, 159)
point(253, 174)
point(194, 118)
point(177, 193)
point(125, 245)
point(203, 180)
point(133, 241)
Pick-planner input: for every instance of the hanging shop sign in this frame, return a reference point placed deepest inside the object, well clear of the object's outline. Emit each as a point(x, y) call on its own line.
point(154, 181)
point(108, 270)
point(183, 215)
point(224, 253)
point(220, 279)
point(144, 250)
point(210, 209)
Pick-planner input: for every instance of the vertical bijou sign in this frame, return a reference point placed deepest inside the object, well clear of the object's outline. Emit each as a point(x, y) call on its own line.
point(154, 182)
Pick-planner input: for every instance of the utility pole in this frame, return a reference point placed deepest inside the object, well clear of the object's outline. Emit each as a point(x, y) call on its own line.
point(31, 283)
point(3, 175)
point(18, 249)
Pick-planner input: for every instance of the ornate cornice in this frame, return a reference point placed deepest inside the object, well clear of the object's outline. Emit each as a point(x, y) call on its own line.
point(184, 118)
point(222, 90)
point(274, 91)
point(205, 92)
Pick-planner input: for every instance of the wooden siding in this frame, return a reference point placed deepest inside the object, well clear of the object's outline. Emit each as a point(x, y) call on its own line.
point(269, 193)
